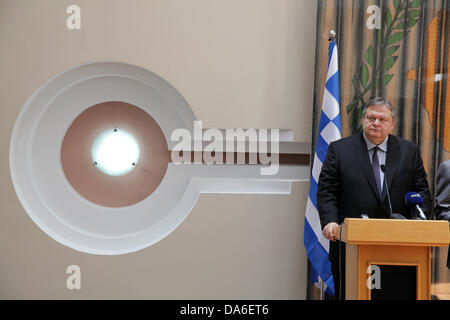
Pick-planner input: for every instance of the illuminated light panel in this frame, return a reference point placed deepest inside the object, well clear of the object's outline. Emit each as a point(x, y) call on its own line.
point(115, 152)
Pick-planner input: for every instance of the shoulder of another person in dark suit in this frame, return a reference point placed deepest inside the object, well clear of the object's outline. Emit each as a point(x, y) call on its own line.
point(442, 213)
point(444, 167)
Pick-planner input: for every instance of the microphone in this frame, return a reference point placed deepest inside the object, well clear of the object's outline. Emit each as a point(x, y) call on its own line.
point(414, 200)
point(392, 215)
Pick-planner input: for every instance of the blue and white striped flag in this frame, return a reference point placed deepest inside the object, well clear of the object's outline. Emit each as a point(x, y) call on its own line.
point(317, 246)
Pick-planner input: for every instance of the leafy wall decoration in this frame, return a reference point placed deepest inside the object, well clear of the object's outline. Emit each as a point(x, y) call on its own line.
point(380, 57)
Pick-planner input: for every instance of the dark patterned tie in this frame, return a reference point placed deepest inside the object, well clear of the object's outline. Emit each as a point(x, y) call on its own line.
point(376, 169)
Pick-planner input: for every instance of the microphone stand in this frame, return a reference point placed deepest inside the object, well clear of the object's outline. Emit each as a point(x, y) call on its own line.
point(392, 214)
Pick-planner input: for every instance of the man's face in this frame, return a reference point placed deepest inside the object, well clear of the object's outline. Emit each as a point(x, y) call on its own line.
point(378, 123)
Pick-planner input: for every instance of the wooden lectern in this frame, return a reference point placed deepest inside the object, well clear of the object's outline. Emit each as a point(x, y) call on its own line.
point(391, 244)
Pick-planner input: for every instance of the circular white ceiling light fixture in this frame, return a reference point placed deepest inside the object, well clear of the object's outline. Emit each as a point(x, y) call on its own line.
point(115, 152)
point(51, 160)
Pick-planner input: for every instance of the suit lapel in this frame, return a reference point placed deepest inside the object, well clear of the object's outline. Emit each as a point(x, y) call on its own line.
point(392, 160)
point(362, 158)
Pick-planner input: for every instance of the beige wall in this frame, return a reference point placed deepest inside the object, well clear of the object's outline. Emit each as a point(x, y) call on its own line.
point(239, 63)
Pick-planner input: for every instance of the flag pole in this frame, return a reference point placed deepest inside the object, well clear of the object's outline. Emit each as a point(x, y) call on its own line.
point(331, 35)
point(322, 289)
point(329, 130)
point(331, 38)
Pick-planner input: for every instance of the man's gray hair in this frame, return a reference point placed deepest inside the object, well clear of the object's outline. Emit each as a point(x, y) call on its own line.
point(379, 101)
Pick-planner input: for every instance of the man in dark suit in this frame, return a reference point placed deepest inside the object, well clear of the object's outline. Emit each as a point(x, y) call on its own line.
point(351, 183)
point(442, 208)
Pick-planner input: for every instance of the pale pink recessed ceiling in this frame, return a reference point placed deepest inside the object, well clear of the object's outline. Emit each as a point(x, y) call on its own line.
point(107, 190)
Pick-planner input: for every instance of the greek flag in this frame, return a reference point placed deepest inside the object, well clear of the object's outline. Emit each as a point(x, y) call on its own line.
point(317, 247)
